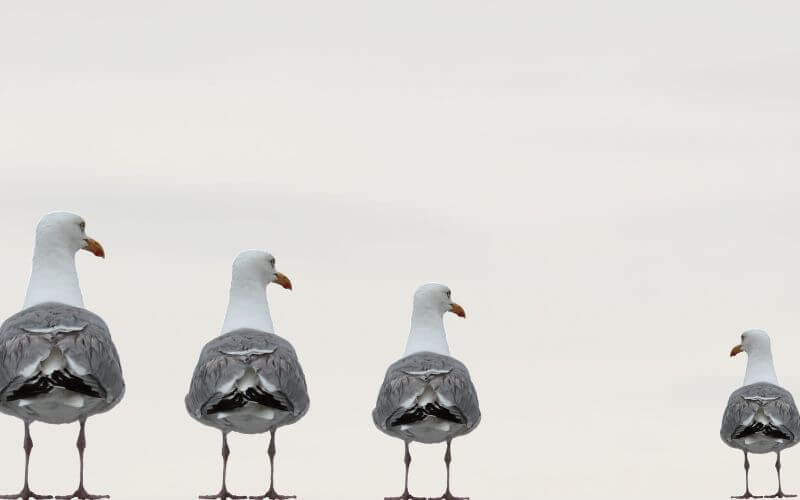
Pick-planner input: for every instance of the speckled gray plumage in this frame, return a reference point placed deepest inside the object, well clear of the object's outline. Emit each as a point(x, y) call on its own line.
point(399, 387)
point(280, 368)
point(91, 347)
point(740, 410)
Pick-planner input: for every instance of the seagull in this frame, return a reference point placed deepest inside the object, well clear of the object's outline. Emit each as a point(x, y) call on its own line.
point(427, 396)
point(248, 379)
point(761, 416)
point(57, 362)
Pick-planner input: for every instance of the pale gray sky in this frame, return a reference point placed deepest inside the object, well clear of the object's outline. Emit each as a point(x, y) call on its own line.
point(609, 188)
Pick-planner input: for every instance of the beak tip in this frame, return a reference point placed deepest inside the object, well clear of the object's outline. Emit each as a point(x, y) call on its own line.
point(458, 310)
point(283, 281)
point(95, 248)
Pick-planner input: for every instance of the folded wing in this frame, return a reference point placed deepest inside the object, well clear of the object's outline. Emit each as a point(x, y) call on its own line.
point(426, 385)
point(53, 345)
point(758, 414)
point(247, 366)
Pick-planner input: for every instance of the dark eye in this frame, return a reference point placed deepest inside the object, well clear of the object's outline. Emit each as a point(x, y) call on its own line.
point(447, 293)
point(272, 261)
point(82, 225)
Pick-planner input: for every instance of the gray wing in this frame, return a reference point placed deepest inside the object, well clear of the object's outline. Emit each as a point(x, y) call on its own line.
point(407, 379)
point(28, 337)
point(225, 359)
point(777, 403)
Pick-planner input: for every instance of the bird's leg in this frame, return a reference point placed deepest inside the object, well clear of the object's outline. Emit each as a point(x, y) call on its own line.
point(223, 492)
point(447, 495)
point(26, 492)
point(81, 492)
point(780, 493)
point(406, 495)
point(271, 494)
point(747, 493)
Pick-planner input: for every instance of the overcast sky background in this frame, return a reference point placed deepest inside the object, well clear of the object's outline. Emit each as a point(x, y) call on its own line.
point(609, 188)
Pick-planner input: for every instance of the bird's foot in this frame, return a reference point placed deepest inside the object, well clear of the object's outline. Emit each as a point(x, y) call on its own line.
point(448, 496)
point(272, 495)
point(405, 496)
point(780, 494)
point(747, 494)
point(81, 494)
point(26, 494)
point(222, 495)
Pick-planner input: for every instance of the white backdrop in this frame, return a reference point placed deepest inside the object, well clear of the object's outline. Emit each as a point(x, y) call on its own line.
point(610, 189)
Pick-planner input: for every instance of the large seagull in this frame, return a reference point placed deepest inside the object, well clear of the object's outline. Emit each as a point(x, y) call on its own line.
point(761, 416)
point(248, 379)
point(57, 362)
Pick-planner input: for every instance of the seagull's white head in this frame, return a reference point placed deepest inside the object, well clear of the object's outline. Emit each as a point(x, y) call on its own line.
point(259, 266)
point(63, 230)
point(753, 341)
point(433, 297)
point(431, 301)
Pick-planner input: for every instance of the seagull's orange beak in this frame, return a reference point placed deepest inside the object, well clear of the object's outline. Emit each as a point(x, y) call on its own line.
point(282, 280)
point(736, 350)
point(457, 310)
point(94, 247)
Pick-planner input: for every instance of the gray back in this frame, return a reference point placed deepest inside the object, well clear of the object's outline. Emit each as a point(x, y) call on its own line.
point(27, 337)
point(401, 384)
point(216, 366)
point(776, 401)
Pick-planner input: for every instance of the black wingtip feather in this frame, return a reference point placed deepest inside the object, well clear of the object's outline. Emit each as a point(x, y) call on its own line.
point(768, 430)
point(229, 402)
point(237, 399)
point(38, 387)
point(414, 415)
point(265, 398)
point(420, 413)
point(443, 413)
point(73, 383)
point(42, 384)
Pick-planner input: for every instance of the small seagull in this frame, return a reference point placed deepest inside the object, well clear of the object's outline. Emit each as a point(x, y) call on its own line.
point(427, 396)
point(761, 416)
point(57, 362)
point(248, 379)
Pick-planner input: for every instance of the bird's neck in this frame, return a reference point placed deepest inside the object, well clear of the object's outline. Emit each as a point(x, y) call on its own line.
point(427, 333)
point(247, 307)
point(760, 367)
point(53, 277)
